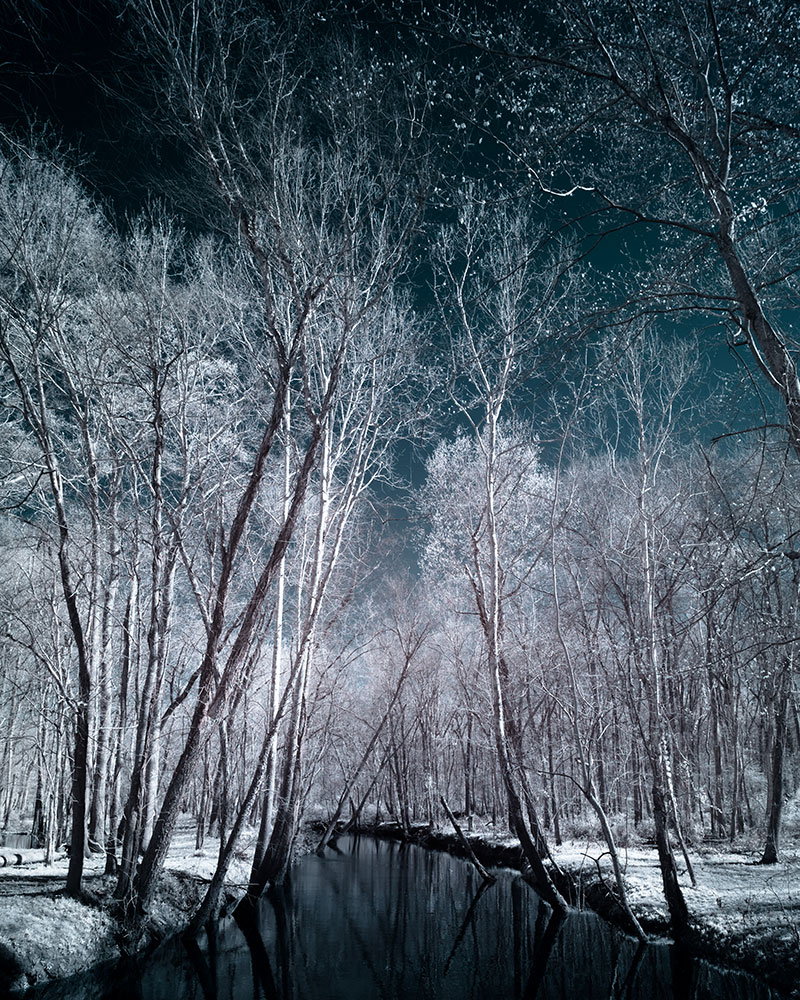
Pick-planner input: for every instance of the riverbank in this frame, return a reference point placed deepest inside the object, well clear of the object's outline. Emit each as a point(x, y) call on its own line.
point(44, 935)
point(742, 914)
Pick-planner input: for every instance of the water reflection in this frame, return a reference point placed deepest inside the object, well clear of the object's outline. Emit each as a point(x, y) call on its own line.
point(385, 920)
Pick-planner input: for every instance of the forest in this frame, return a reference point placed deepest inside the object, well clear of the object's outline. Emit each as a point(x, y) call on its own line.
point(412, 424)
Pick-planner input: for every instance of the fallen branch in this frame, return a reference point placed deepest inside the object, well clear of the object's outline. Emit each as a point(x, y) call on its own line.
point(468, 847)
point(11, 857)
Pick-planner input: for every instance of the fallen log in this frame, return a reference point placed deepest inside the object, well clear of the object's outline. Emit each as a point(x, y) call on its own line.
point(13, 856)
point(468, 847)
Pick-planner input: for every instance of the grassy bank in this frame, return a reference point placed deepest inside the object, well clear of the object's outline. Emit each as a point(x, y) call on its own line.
point(44, 935)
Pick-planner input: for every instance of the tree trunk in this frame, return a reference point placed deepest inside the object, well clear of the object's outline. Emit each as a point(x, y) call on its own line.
point(718, 807)
point(775, 804)
point(469, 806)
point(679, 914)
point(771, 354)
point(102, 761)
point(277, 857)
point(465, 843)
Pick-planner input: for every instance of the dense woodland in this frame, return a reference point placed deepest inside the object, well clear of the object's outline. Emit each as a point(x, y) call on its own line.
point(433, 432)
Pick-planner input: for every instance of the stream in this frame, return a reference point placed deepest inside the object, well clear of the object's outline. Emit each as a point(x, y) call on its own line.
point(378, 919)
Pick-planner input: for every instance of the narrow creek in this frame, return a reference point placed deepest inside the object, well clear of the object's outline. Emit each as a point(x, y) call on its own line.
point(378, 919)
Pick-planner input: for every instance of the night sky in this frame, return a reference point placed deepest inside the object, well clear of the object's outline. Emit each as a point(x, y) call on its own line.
point(71, 69)
point(63, 67)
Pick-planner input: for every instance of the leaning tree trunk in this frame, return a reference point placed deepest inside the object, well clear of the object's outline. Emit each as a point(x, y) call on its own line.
point(276, 857)
point(775, 804)
point(209, 907)
point(211, 693)
point(516, 817)
point(768, 347)
point(678, 911)
point(277, 654)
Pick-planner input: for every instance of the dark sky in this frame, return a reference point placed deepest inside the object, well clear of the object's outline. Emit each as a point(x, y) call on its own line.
point(69, 65)
point(55, 55)
point(57, 58)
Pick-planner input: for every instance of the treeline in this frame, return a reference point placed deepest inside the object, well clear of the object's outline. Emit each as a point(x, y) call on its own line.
point(613, 637)
point(202, 433)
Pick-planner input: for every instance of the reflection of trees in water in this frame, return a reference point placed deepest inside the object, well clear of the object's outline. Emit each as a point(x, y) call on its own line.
point(392, 921)
point(468, 922)
point(203, 968)
point(622, 990)
point(547, 928)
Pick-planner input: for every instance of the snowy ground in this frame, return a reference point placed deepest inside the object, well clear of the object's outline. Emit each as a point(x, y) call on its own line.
point(751, 912)
point(741, 912)
point(733, 891)
point(44, 935)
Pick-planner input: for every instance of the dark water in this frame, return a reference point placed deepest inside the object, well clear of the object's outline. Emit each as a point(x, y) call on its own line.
point(390, 921)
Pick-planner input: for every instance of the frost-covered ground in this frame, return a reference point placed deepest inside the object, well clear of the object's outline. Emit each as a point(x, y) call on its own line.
point(734, 893)
point(748, 911)
point(44, 935)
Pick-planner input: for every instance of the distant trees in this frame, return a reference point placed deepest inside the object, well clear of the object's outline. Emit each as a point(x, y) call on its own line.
point(486, 495)
point(109, 369)
point(634, 677)
point(761, 500)
point(646, 395)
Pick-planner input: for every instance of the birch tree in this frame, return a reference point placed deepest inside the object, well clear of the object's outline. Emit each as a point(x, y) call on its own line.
point(323, 213)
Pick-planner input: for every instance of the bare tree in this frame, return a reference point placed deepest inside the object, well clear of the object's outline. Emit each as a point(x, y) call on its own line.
point(324, 223)
point(644, 397)
point(54, 243)
point(500, 297)
point(673, 121)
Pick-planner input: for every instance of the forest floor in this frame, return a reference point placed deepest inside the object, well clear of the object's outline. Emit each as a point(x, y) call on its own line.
point(743, 914)
point(45, 935)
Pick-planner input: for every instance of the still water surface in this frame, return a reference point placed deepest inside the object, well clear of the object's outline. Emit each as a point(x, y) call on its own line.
point(395, 922)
